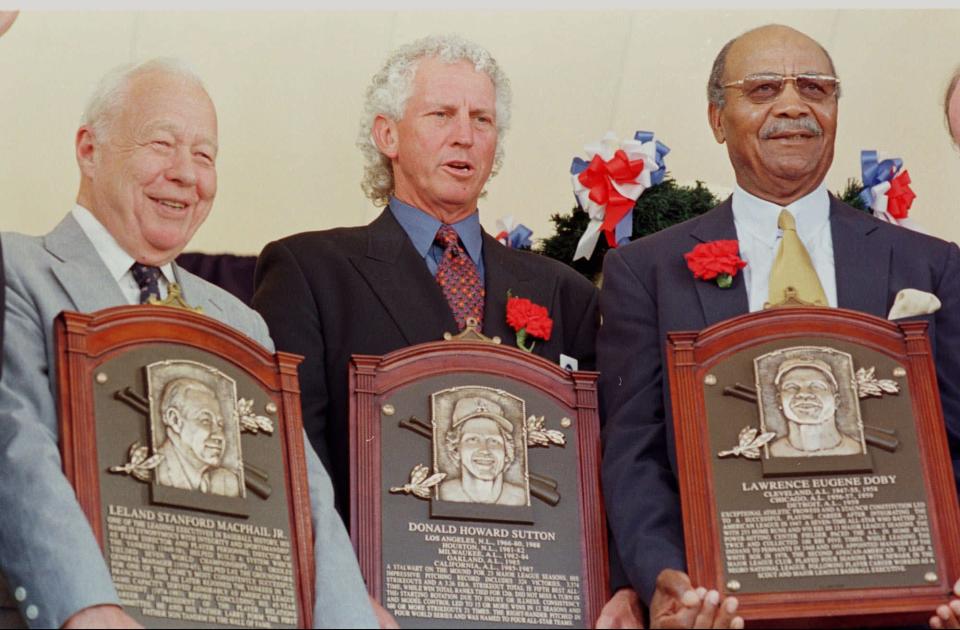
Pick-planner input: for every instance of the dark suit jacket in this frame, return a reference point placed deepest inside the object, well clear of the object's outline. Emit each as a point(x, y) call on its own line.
point(649, 291)
point(365, 290)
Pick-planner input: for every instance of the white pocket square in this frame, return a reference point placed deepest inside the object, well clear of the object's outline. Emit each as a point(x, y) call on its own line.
point(912, 302)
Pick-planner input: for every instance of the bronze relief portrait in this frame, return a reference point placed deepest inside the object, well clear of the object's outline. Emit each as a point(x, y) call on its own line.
point(808, 397)
point(194, 426)
point(480, 443)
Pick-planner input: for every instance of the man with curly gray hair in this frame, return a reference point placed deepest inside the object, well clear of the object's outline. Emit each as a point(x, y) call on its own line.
point(434, 119)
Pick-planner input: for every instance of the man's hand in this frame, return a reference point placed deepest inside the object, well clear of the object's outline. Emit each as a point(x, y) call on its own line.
point(948, 616)
point(101, 617)
point(622, 611)
point(6, 19)
point(384, 619)
point(676, 604)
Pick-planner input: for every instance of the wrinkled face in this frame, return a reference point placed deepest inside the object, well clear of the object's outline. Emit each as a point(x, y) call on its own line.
point(807, 396)
point(153, 177)
point(780, 150)
point(447, 139)
point(202, 428)
point(482, 449)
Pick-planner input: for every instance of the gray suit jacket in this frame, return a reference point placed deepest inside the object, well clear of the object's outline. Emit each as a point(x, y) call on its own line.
point(48, 553)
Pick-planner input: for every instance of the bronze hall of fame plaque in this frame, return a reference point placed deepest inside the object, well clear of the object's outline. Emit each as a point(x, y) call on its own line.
point(476, 496)
point(183, 440)
point(827, 488)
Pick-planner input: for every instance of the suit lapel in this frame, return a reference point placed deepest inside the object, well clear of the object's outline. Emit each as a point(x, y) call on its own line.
point(504, 271)
point(401, 281)
point(81, 272)
point(862, 262)
point(719, 304)
point(195, 293)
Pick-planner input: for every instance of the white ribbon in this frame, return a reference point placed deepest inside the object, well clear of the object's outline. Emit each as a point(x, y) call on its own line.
point(606, 148)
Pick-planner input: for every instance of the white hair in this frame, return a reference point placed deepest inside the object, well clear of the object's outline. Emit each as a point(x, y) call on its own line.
point(112, 90)
point(392, 86)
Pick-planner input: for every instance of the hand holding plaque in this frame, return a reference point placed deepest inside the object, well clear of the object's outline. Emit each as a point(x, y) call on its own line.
point(814, 472)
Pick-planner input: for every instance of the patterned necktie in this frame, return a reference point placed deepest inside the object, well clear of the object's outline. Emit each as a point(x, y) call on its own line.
point(793, 269)
point(148, 279)
point(459, 279)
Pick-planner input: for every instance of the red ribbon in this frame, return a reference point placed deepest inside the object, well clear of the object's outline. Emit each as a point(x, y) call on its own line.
point(900, 197)
point(599, 177)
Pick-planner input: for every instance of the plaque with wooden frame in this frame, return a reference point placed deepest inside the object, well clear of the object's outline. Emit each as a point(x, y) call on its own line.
point(183, 440)
point(475, 497)
point(815, 476)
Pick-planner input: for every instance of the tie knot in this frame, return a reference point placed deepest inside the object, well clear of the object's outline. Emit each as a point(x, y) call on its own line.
point(145, 274)
point(447, 237)
point(786, 221)
point(148, 279)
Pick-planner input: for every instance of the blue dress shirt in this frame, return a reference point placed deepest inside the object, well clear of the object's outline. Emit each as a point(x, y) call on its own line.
point(422, 230)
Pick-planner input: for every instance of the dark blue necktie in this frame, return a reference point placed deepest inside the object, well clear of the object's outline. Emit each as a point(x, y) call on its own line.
point(148, 279)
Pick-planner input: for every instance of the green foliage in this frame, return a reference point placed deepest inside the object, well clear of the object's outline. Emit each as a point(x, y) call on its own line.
point(657, 208)
point(851, 195)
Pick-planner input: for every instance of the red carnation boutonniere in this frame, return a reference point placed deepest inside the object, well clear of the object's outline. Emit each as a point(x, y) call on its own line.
point(529, 320)
point(716, 259)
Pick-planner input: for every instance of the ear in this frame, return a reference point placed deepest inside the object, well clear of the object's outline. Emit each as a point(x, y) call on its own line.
point(86, 148)
point(173, 420)
point(385, 135)
point(713, 116)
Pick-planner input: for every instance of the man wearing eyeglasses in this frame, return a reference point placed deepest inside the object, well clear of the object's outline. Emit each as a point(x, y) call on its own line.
point(773, 100)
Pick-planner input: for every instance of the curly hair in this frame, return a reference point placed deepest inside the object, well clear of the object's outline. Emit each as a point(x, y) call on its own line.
point(391, 87)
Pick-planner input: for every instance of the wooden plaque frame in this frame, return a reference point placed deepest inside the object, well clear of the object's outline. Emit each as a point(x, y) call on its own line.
point(86, 341)
point(374, 377)
point(690, 358)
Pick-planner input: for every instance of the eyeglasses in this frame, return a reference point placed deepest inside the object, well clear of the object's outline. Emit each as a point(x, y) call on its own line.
point(767, 87)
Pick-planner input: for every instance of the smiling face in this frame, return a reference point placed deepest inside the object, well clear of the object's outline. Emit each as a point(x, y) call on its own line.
point(152, 179)
point(443, 149)
point(807, 396)
point(780, 150)
point(482, 449)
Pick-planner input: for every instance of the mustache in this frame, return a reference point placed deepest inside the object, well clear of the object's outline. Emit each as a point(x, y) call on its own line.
point(787, 125)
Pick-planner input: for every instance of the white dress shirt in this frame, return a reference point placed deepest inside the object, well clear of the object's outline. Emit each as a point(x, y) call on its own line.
point(759, 236)
point(116, 259)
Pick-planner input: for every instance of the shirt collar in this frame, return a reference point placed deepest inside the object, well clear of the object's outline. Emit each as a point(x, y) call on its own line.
point(759, 216)
point(422, 229)
point(117, 260)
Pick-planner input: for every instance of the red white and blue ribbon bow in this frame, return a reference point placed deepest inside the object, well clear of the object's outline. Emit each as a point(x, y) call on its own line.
point(513, 236)
point(887, 189)
point(608, 185)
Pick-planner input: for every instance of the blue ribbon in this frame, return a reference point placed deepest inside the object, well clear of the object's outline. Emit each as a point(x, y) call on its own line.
point(624, 230)
point(578, 166)
point(657, 176)
point(519, 237)
point(875, 173)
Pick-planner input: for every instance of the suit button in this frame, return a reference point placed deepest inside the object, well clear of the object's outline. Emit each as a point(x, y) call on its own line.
point(20, 594)
point(32, 612)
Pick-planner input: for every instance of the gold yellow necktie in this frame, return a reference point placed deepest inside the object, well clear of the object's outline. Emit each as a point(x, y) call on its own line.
point(793, 274)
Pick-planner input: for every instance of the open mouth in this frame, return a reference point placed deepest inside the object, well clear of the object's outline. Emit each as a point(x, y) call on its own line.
point(807, 409)
point(459, 167)
point(484, 460)
point(170, 204)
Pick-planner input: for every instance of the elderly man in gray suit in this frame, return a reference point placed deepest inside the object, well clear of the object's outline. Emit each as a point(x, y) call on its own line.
point(147, 150)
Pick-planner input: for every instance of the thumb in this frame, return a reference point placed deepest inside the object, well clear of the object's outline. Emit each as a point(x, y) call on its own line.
point(677, 585)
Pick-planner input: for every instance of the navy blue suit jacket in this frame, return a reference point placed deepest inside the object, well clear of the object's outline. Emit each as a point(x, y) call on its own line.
point(648, 291)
